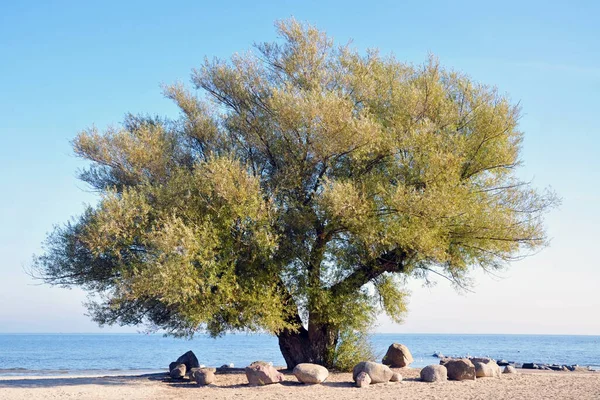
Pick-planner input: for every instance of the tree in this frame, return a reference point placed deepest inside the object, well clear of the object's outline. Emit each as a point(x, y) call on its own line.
point(295, 194)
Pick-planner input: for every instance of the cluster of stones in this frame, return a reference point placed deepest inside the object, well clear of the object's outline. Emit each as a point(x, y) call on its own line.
point(460, 369)
point(261, 373)
point(556, 367)
point(530, 365)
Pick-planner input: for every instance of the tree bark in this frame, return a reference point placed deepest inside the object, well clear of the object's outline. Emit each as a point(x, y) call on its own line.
point(315, 345)
point(294, 346)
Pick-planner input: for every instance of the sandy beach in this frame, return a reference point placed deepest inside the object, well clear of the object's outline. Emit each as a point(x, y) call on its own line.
point(525, 385)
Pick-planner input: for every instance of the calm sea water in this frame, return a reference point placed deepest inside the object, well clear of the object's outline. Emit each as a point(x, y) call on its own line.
point(51, 354)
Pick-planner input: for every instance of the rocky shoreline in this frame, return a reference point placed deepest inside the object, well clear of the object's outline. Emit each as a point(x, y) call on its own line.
point(526, 365)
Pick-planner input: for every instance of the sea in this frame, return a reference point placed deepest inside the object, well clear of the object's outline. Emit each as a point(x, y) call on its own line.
point(128, 354)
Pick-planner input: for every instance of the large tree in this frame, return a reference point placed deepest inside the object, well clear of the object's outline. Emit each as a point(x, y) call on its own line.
point(300, 187)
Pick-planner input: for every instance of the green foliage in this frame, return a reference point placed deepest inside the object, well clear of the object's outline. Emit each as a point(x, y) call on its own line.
point(353, 347)
point(304, 181)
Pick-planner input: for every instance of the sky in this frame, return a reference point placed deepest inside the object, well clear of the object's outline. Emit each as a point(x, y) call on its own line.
point(65, 66)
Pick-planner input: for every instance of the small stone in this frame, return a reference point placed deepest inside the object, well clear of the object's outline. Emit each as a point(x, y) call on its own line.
point(509, 369)
point(363, 380)
point(178, 372)
point(396, 377)
point(204, 376)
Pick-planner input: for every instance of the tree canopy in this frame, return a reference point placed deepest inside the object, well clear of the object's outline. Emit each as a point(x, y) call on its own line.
point(301, 185)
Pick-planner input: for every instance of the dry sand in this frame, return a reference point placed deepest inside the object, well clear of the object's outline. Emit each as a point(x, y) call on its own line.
point(525, 385)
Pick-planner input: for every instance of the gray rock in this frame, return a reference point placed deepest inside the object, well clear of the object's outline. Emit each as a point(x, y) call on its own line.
point(310, 373)
point(378, 373)
point(363, 380)
point(178, 372)
point(509, 369)
point(460, 369)
point(487, 370)
point(203, 376)
point(260, 373)
point(397, 356)
point(189, 359)
point(434, 373)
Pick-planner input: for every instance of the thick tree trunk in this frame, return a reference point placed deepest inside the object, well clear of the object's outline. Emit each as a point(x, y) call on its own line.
point(295, 347)
point(315, 345)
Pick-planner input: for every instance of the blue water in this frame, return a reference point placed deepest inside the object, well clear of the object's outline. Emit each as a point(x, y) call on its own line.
point(43, 354)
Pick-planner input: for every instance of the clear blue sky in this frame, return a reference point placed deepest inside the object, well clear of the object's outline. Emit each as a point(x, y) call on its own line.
point(67, 65)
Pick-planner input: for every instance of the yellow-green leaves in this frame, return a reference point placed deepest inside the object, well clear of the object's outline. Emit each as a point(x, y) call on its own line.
point(296, 174)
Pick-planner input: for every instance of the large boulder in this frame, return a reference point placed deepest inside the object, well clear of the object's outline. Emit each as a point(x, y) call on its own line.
point(178, 371)
point(434, 373)
point(487, 369)
point(397, 356)
point(459, 369)
point(189, 359)
point(363, 379)
point(311, 373)
point(509, 369)
point(260, 373)
point(378, 373)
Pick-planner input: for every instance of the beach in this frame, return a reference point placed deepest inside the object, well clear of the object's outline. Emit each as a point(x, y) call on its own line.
point(524, 385)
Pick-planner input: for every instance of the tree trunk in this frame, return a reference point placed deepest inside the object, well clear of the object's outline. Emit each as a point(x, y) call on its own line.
point(315, 345)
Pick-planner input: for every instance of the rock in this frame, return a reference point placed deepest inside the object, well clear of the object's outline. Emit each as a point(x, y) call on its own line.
point(190, 373)
point(487, 370)
point(260, 373)
point(189, 359)
point(502, 363)
point(460, 369)
point(203, 376)
point(438, 355)
point(178, 372)
point(434, 373)
point(528, 366)
point(378, 373)
point(397, 356)
point(396, 377)
point(363, 379)
point(484, 360)
point(509, 369)
point(172, 366)
point(311, 373)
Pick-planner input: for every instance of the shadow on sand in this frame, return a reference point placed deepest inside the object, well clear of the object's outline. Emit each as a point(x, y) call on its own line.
point(46, 382)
